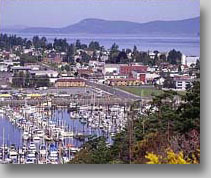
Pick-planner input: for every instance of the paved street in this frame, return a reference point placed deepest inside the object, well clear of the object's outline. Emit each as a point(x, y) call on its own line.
point(113, 91)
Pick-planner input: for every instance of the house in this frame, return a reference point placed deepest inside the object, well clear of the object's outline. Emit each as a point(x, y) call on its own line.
point(10, 62)
point(183, 59)
point(96, 64)
point(27, 51)
point(152, 55)
point(96, 76)
point(49, 73)
point(3, 68)
point(53, 57)
point(141, 76)
point(150, 77)
point(191, 60)
point(32, 66)
point(64, 83)
point(181, 82)
point(111, 68)
point(114, 76)
point(159, 81)
point(123, 82)
point(23, 69)
point(84, 72)
point(57, 59)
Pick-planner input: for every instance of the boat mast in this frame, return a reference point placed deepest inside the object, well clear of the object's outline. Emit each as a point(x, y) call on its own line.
point(3, 145)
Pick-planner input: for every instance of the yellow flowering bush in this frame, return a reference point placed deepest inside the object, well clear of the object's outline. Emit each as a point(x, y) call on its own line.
point(153, 158)
point(171, 158)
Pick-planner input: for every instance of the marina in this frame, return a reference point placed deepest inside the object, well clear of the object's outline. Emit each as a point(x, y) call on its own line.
point(45, 135)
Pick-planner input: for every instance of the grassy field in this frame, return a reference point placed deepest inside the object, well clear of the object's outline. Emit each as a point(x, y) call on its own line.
point(146, 92)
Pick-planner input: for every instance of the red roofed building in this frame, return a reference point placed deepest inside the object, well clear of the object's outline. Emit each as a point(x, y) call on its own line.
point(127, 70)
point(84, 72)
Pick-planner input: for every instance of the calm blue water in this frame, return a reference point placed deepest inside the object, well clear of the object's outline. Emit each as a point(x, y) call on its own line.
point(12, 135)
point(189, 45)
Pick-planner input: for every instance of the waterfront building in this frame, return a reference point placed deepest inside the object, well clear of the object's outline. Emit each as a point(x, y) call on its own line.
point(63, 83)
point(123, 82)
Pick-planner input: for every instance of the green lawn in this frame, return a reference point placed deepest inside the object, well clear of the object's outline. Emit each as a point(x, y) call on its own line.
point(146, 92)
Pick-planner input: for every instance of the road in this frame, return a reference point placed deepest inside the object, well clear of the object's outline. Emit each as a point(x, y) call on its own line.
point(113, 91)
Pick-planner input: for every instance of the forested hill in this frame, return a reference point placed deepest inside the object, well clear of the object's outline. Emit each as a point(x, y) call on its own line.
point(99, 26)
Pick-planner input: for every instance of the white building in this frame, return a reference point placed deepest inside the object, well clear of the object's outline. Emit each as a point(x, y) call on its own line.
point(96, 64)
point(114, 76)
point(181, 82)
point(49, 73)
point(111, 68)
point(160, 81)
point(26, 51)
point(152, 55)
point(3, 68)
point(191, 60)
point(183, 59)
point(151, 76)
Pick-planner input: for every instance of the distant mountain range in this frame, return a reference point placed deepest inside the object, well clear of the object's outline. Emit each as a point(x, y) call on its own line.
point(99, 26)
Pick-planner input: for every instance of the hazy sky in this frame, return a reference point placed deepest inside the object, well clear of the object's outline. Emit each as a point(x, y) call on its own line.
point(59, 13)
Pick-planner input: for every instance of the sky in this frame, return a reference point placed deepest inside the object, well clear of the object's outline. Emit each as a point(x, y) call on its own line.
point(61, 13)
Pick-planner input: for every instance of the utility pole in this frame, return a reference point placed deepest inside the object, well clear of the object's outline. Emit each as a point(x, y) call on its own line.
point(130, 131)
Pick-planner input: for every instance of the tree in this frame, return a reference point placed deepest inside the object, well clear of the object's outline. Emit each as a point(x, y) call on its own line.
point(174, 57)
point(26, 58)
point(28, 44)
point(190, 110)
point(179, 69)
point(169, 83)
point(27, 80)
point(70, 53)
point(95, 151)
point(197, 65)
point(43, 42)
point(49, 46)
point(114, 47)
point(42, 81)
point(85, 57)
point(60, 45)
point(94, 45)
point(18, 79)
point(122, 57)
point(35, 41)
point(163, 58)
point(113, 55)
point(78, 44)
point(67, 68)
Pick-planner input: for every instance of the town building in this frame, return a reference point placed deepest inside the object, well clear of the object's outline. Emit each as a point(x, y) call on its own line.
point(191, 60)
point(123, 82)
point(24, 69)
point(141, 76)
point(64, 83)
point(49, 73)
point(181, 82)
point(3, 68)
point(114, 76)
point(150, 77)
point(127, 70)
point(84, 73)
